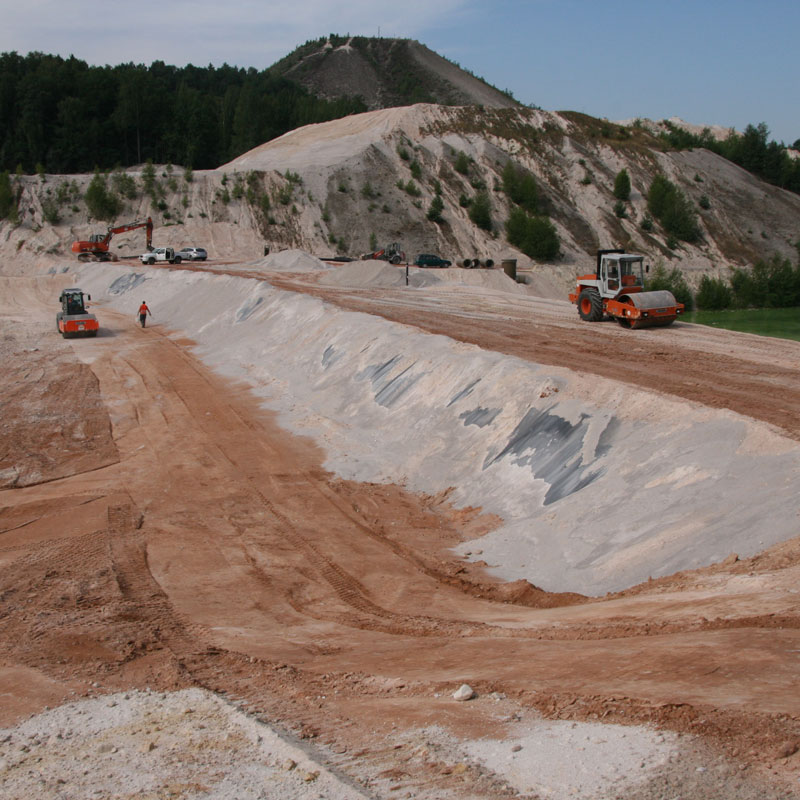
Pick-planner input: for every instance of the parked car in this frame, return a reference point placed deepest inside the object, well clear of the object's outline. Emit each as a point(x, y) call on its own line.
point(161, 255)
point(429, 260)
point(193, 254)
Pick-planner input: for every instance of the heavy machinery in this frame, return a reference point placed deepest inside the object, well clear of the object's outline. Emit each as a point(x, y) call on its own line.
point(617, 290)
point(393, 254)
point(73, 320)
point(95, 248)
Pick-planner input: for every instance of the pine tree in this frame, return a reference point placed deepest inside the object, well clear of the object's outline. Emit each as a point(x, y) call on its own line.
point(622, 185)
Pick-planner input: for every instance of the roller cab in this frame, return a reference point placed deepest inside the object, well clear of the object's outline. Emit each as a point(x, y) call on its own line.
point(73, 319)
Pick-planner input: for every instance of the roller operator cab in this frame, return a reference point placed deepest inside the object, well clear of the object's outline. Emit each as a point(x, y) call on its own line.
point(73, 319)
point(617, 290)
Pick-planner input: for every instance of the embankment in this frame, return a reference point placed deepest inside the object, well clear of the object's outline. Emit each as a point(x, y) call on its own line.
point(600, 485)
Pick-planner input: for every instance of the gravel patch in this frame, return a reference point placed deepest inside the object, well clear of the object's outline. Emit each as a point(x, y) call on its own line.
point(188, 744)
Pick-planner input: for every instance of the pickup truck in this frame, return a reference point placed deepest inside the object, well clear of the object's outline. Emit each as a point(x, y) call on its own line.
point(162, 254)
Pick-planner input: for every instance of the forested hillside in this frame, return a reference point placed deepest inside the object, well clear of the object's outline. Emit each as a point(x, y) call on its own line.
point(751, 150)
point(64, 116)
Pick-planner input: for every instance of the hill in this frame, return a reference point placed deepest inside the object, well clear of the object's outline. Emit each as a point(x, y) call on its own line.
point(385, 73)
point(346, 186)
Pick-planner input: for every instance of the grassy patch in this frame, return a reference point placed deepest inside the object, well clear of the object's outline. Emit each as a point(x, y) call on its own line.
point(783, 323)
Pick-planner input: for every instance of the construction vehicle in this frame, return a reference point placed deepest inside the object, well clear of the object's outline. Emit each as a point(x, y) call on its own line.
point(161, 254)
point(95, 248)
point(393, 254)
point(617, 290)
point(73, 320)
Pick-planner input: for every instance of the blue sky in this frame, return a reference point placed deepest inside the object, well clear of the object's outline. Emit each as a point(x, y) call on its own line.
point(710, 62)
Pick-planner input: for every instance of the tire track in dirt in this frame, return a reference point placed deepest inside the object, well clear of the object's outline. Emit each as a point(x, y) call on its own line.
point(371, 615)
point(291, 693)
point(350, 591)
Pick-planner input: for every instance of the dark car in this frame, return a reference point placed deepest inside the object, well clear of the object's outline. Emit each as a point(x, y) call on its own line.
point(192, 254)
point(429, 260)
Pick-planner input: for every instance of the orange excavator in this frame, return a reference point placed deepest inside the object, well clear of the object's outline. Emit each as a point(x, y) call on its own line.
point(95, 248)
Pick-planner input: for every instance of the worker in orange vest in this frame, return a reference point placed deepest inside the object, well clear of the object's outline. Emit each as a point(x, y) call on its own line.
point(143, 312)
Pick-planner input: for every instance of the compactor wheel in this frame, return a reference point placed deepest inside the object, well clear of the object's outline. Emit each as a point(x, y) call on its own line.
point(590, 305)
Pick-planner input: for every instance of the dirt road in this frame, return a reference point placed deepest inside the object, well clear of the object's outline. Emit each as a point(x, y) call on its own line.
point(158, 529)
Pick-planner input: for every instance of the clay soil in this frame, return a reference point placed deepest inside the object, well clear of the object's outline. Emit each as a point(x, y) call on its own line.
point(158, 529)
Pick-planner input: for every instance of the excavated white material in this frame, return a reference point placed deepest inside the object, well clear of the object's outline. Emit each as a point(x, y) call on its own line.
point(378, 274)
point(599, 485)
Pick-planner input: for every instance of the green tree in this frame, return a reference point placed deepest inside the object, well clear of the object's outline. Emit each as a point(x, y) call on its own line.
point(536, 236)
point(520, 186)
point(436, 209)
point(123, 184)
point(102, 203)
point(462, 163)
point(480, 211)
point(669, 205)
point(673, 281)
point(770, 283)
point(50, 211)
point(6, 195)
point(713, 294)
point(622, 185)
point(149, 178)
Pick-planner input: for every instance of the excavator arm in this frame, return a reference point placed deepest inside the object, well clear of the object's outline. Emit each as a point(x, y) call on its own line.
point(147, 223)
point(96, 248)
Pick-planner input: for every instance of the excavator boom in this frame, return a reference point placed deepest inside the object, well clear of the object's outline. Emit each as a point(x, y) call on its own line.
point(95, 248)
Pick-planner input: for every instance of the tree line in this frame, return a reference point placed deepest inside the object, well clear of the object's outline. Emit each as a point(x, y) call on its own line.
point(770, 283)
point(751, 150)
point(65, 116)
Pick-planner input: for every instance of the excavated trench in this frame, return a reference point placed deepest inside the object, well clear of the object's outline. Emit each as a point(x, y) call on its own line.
point(599, 485)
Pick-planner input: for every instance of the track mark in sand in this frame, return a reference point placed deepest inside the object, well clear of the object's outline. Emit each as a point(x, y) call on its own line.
point(369, 614)
point(137, 584)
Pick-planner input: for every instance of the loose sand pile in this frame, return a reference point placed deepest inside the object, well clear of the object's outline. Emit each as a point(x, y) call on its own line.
point(376, 274)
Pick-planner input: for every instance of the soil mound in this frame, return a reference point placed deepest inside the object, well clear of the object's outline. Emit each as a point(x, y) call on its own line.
point(380, 274)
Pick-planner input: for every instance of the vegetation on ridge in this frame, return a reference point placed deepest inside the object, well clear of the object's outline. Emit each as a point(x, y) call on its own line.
point(750, 150)
point(71, 117)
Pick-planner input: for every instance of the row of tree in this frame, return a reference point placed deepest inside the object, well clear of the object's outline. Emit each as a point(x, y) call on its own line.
point(769, 283)
point(752, 150)
point(66, 116)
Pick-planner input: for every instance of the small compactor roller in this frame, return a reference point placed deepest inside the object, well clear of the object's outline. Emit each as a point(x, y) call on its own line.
point(617, 290)
point(73, 320)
